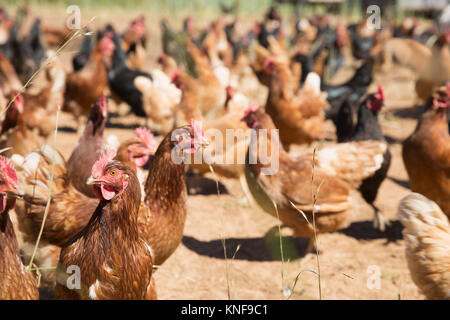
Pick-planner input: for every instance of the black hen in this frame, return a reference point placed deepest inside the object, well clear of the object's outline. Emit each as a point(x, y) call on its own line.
point(35, 40)
point(80, 59)
point(271, 26)
point(345, 123)
point(241, 44)
point(327, 39)
point(265, 30)
point(238, 44)
point(121, 79)
point(355, 88)
point(330, 41)
point(306, 63)
point(7, 47)
point(361, 46)
point(28, 53)
point(174, 43)
point(368, 128)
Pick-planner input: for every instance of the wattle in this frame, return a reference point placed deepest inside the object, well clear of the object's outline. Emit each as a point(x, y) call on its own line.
point(107, 192)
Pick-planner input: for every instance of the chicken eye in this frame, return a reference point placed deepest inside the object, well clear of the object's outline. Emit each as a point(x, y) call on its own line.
point(113, 172)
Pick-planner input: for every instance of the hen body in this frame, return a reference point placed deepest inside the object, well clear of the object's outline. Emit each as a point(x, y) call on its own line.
point(109, 242)
point(427, 238)
point(426, 155)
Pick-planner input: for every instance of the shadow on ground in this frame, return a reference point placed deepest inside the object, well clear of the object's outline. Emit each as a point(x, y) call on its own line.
point(364, 230)
point(116, 125)
point(266, 248)
point(199, 185)
point(67, 129)
point(391, 139)
point(402, 183)
point(408, 112)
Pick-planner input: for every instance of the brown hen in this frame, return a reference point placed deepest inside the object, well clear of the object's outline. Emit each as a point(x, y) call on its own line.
point(426, 152)
point(17, 282)
point(211, 93)
point(14, 133)
point(163, 213)
point(69, 209)
point(85, 86)
point(88, 148)
point(109, 242)
point(283, 185)
point(299, 115)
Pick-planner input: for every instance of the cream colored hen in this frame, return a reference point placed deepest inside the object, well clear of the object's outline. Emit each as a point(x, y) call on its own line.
point(160, 98)
point(227, 155)
point(432, 65)
point(427, 237)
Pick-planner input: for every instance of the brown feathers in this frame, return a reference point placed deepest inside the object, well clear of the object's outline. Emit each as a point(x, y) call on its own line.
point(109, 242)
point(426, 155)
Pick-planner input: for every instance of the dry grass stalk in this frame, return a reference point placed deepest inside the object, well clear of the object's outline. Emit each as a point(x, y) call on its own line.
point(222, 238)
point(49, 196)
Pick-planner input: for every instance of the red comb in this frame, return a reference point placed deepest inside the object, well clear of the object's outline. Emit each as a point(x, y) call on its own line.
point(107, 45)
point(18, 99)
point(175, 74)
point(268, 61)
point(99, 165)
point(380, 91)
point(10, 172)
point(197, 126)
point(252, 108)
point(199, 134)
point(147, 137)
point(139, 28)
point(441, 104)
point(103, 102)
point(230, 90)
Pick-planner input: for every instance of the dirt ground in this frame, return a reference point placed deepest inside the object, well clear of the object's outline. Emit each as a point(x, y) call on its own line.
point(348, 258)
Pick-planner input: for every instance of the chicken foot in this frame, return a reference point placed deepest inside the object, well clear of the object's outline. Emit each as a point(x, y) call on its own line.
point(380, 221)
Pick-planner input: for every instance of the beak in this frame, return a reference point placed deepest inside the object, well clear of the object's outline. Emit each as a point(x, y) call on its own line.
point(13, 194)
point(91, 181)
point(16, 192)
point(205, 142)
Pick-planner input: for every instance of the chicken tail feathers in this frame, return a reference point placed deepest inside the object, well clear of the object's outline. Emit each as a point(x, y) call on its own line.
point(352, 161)
point(35, 171)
